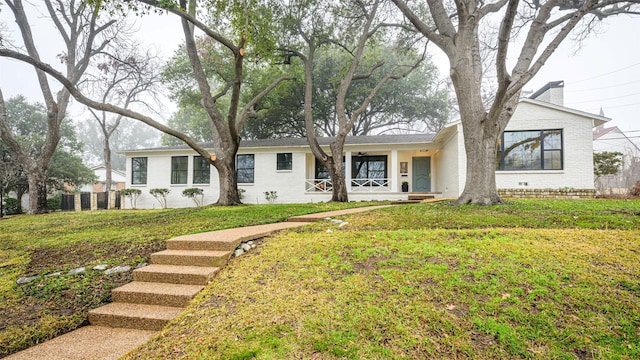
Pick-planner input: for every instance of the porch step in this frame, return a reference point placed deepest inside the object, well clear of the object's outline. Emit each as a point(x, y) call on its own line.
point(403, 202)
point(133, 316)
point(191, 258)
point(148, 293)
point(176, 274)
point(418, 196)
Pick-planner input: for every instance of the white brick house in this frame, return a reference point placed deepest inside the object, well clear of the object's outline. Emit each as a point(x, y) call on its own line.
point(545, 146)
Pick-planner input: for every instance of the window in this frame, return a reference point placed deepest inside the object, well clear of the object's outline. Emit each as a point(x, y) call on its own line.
point(179, 169)
point(138, 170)
point(368, 167)
point(245, 164)
point(201, 170)
point(284, 161)
point(530, 150)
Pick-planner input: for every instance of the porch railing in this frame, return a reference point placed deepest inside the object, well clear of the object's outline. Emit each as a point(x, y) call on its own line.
point(320, 185)
point(370, 185)
point(357, 185)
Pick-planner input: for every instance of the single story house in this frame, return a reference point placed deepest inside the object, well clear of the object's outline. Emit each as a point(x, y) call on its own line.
point(118, 180)
point(612, 139)
point(547, 147)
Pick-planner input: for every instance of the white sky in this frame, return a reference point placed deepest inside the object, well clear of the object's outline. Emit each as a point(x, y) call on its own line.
point(605, 72)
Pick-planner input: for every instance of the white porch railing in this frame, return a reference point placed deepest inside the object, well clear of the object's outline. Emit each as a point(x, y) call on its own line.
point(357, 185)
point(320, 185)
point(370, 185)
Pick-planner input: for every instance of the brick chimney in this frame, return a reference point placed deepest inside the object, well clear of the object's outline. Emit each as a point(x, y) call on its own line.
point(552, 93)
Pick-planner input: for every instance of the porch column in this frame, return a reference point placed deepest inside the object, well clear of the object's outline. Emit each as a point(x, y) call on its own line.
point(347, 170)
point(393, 179)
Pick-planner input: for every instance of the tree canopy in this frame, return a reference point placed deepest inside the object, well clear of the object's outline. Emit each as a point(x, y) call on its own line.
point(504, 43)
point(28, 124)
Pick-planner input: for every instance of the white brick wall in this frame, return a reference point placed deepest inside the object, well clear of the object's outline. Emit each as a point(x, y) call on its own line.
point(446, 167)
point(577, 150)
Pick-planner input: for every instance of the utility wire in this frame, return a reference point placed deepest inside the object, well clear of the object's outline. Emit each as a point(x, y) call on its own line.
point(605, 99)
point(605, 74)
point(603, 87)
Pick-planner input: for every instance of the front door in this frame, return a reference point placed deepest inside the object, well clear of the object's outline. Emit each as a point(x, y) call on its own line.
point(421, 174)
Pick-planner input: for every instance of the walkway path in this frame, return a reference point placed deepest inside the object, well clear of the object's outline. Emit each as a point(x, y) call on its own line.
point(159, 292)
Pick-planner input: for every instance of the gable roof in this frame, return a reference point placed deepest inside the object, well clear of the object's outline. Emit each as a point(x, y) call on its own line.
point(620, 135)
point(600, 132)
point(597, 119)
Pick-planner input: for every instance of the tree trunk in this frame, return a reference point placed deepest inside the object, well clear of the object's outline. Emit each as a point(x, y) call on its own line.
point(37, 177)
point(228, 181)
point(480, 186)
point(338, 178)
point(339, 193)
point(20, 190)
point(481, 132)
point(107, 164)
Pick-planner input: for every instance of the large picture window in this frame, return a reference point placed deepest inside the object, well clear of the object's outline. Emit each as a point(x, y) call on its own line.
point(365, 167)
point(245, 164)
point(369, 167)
point(179, 169)
point(530, 150)
point(201, 170)
point(284, 161)
point(138, 170)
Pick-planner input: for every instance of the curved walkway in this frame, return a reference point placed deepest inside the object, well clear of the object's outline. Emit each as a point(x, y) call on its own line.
point(159, 292)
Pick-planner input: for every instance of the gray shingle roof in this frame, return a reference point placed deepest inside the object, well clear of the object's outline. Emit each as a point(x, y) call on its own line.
point(294, 142)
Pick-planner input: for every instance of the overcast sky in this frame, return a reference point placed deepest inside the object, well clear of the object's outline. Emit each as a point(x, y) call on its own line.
point(603, 73)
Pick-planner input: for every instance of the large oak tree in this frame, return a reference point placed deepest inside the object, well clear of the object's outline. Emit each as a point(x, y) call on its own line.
point(83, 36)
point(232, 25)
point(353, 25)
point(528, 32)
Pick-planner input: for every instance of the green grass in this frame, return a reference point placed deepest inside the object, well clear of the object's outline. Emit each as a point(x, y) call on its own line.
point(43, 244)
point(533, 279)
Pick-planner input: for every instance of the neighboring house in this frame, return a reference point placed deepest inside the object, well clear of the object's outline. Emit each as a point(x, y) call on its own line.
point(546, 146)
point(612, 139)
point(118, 180)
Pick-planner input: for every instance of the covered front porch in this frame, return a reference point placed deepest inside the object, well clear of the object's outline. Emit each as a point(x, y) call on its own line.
point(378, 174)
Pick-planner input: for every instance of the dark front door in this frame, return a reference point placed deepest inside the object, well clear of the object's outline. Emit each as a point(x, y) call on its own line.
point(421, 174)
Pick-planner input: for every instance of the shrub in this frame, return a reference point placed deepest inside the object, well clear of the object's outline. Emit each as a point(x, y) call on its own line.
point(241, 193)
point(635, 189)
point(271, 196)
point(195, 194)
point(55, 202)
point(11, 206)
point(160, 195)
point(132, 194)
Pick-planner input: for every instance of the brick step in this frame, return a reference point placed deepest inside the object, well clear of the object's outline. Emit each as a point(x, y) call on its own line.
point(133, 316)
point(191, 258)
point(174, 295)
point(175, 274)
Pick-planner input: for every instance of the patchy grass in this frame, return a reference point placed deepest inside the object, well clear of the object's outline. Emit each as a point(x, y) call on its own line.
point(44, 244)
point(528, 280)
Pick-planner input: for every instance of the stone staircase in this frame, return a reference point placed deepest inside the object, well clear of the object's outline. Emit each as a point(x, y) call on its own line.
point(176, 275)
point(159, 292)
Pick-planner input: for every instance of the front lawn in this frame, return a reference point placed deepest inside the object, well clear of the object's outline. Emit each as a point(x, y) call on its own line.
point(42, 245)
point(532, 279)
